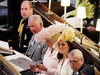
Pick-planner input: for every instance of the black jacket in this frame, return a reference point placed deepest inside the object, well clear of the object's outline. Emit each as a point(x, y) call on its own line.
point(26, 32)
point(84, 65)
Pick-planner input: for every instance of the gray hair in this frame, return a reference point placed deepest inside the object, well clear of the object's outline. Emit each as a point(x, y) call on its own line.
point(37, 18)
point(76, 52)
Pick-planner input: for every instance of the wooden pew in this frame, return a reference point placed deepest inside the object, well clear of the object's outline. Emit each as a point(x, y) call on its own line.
point(6, 68)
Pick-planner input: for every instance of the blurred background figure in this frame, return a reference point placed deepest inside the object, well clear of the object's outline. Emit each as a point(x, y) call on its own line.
point(90, 70)
point(90, 28)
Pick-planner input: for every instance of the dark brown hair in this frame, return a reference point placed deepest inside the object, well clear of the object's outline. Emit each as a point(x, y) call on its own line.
point(60, 55)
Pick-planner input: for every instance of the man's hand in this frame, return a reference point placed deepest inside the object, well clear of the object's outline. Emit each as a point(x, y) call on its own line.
point(11, 48)
point(84, 23)
point(91, 29)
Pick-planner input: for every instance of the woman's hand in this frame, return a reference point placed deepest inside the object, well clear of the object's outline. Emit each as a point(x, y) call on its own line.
point(34, 68)
point(42, 67)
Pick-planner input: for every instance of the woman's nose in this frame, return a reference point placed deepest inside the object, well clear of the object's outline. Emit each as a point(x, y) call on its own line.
point(60, 46)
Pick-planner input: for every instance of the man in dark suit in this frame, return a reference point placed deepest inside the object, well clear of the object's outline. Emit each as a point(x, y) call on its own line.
point(35, 50)
point(76, 61)
point(24, 33)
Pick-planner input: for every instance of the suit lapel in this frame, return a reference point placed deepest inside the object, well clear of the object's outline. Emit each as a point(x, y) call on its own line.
point(31, 41)
point(33, 48)
point(29, 46)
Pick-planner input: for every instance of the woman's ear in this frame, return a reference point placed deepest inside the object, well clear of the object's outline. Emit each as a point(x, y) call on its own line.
point(41, 24)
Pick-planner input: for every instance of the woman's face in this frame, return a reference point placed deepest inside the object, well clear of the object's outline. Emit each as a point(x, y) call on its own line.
point(63, 47)
point(49, 43)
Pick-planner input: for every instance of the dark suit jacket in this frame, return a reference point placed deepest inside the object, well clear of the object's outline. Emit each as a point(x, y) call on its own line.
point(84, 65)
point(37, 51)
point(26, 32)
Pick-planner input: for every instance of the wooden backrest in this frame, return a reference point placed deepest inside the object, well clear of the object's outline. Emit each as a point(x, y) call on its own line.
point(6, 68)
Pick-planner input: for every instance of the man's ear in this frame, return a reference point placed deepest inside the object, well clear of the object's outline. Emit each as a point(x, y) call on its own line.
point(82, 59)
point(32, 10)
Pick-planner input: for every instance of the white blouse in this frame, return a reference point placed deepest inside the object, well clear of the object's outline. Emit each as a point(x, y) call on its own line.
point(64, 69)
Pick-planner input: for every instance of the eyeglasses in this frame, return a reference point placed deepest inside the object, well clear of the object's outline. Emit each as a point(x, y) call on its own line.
point(31, 26)
point(74, 61)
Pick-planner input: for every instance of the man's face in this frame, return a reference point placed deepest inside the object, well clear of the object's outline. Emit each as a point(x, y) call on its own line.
point(75, 62)
point(34, 27)
point(26, 11)
point(99, 4)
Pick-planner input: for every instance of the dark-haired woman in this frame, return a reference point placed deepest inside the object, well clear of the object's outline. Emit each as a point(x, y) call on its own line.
point(64, 44)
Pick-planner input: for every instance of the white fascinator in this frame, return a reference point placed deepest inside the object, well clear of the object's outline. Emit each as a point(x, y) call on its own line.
point(48, 32)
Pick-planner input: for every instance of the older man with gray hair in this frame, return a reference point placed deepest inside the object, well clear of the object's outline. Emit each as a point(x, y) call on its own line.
point(35, 50)
point(76, 61)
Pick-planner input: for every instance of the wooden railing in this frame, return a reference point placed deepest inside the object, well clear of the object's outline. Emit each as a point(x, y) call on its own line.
point(6, 68)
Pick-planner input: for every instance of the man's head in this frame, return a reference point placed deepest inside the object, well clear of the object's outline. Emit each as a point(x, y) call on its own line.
point(26, 9)
point(35, 23)
point(75, 59)
point(99, 4)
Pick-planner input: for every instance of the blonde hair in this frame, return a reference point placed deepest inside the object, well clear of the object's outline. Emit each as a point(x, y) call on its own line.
point(54, 38)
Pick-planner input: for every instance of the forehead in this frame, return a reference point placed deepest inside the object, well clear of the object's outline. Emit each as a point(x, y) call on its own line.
point(32, 23)
point(74, 57)
point(25, 5)
point(62, 41)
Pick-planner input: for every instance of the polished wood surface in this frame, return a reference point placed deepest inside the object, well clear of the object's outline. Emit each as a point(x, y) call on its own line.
point(48, 19)
point(57, 8)
point(6, 68)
